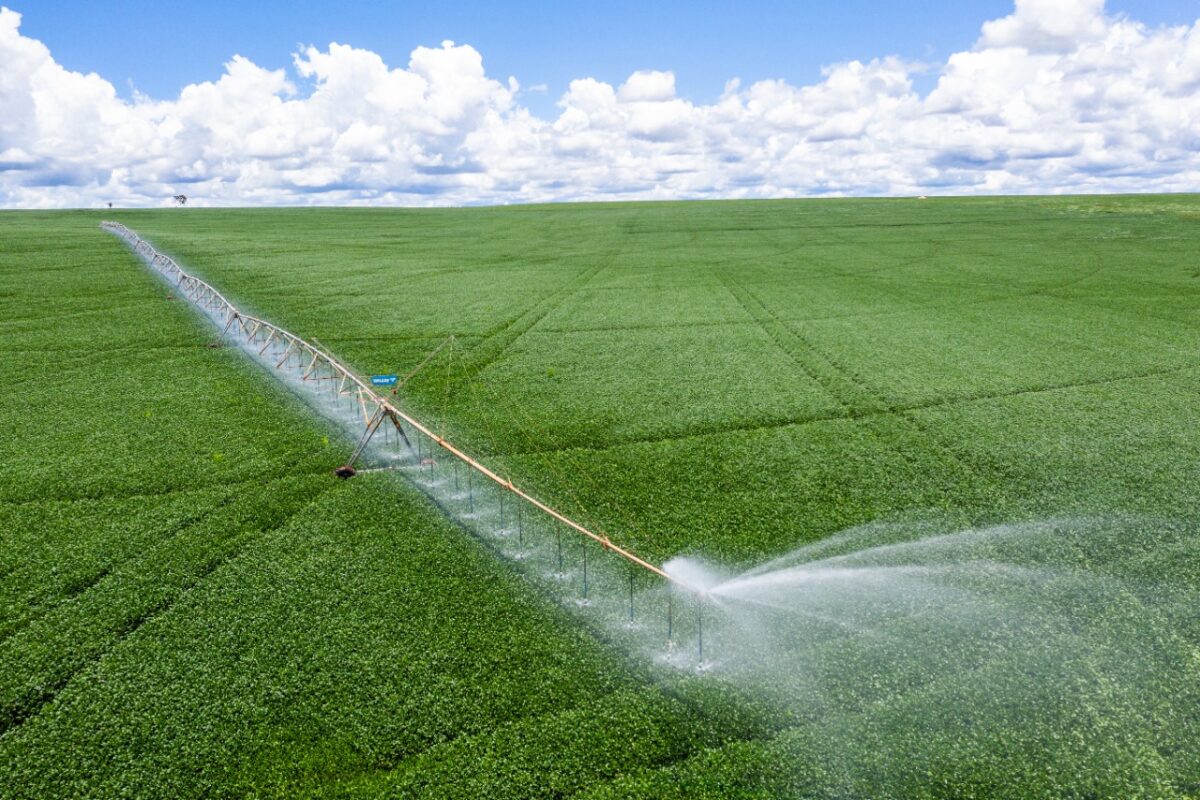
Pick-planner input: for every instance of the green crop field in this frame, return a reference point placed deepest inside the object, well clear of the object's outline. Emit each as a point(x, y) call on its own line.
point(983, 413)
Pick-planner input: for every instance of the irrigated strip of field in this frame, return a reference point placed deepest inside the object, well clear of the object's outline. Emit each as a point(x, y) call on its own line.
point(191, 605)
point(287, 354)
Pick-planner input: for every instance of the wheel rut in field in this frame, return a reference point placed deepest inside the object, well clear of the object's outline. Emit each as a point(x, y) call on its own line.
point(496, 343)
point(851, 415)
point(112, 622)
point(858, 398)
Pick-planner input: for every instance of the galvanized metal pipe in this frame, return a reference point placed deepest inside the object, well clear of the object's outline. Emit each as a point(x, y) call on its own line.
point(366, 394)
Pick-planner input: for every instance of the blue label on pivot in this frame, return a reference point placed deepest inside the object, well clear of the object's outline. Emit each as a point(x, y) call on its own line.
point(384, 380)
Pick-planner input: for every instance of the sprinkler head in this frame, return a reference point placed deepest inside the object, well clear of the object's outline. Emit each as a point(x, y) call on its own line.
point(345, 472)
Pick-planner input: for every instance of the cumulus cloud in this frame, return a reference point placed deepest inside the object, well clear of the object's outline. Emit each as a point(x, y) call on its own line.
point(1056, 26)
point(1057, 96)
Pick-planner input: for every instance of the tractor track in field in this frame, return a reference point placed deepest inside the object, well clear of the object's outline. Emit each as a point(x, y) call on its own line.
point(15, 714)
point(16, 321)
point(815, 419)
point(861, 402)
point(849, 390)
point(662, 326)
point(495, 344)
point(1126, 313)
point(116, 497)
point(179, 528)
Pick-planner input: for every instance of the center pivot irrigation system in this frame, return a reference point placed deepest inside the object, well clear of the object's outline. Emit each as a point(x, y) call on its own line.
point(315, 367)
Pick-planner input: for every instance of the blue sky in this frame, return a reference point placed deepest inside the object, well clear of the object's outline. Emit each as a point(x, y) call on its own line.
point(159, 47)
point(253, 103)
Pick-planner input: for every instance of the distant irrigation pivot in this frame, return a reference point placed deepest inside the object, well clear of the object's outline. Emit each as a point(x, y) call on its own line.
point(313, 365)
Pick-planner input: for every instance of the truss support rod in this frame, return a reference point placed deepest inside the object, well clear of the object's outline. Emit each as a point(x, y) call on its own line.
point(311, 364)
point(270, 339)
point(365, 439)
point(225, 330)
point(426, 360)
point(400, 429)
point(286, 354)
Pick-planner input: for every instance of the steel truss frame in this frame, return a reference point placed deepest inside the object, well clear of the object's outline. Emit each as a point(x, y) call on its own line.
point(319, 365)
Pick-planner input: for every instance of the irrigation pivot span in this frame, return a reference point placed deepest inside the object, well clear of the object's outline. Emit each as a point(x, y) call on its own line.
point(319, 365)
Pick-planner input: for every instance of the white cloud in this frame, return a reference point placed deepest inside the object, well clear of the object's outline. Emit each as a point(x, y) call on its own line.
point(1057, 96)
point(648, 86)
point(1047, 25)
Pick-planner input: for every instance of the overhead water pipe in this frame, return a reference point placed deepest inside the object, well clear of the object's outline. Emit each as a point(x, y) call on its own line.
point(232, 314)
